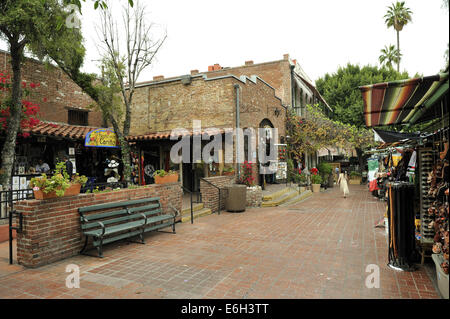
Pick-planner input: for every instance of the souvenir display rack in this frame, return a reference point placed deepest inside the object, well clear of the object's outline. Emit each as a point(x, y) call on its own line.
point(425, 160)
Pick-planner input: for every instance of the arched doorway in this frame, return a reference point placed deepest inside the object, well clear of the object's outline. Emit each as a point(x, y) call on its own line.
point(268, 139)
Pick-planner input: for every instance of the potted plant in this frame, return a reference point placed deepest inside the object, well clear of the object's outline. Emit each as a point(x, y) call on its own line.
point(162, 177)
point(303, 181)
point(60, 184)
point(236, 199)
point(228, 171)
point(316, 179)
point(326, 171)
point(355, 178)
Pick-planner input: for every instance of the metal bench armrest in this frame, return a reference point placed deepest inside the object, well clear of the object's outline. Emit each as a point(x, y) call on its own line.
point(176, 210)
point(103, 228)
point(145, 218)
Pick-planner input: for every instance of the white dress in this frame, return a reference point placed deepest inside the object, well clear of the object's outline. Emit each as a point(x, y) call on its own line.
point(342, 181)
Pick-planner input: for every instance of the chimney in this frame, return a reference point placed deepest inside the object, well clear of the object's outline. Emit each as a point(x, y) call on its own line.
point(210, 68)
point(286, 56)
point(250, 62)
point(158, 78)
point(294, 61)
point(217, 67)
point(194, 72)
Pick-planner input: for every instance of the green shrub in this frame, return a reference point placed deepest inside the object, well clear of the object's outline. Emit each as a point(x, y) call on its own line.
point(316, 179)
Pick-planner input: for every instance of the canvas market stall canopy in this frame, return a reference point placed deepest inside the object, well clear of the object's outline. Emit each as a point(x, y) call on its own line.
point(406, 101)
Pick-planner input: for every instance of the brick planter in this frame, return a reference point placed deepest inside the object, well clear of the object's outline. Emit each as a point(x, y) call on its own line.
point(254, 196)
point(210, 194)
point(52, 229)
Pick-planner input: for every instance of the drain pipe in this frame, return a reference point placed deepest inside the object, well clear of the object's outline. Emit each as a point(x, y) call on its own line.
point(237, 87)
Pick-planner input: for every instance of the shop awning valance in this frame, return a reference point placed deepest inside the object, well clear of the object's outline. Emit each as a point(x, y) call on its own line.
point(401, 102)
point(391, 137)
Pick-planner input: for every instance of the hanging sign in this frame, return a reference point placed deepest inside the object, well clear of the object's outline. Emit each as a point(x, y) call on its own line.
point(102, 137)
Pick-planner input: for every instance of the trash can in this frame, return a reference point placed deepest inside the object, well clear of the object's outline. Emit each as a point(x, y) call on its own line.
point(236, 199)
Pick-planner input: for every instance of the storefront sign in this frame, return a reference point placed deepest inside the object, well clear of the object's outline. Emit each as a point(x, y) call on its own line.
point(103, 137)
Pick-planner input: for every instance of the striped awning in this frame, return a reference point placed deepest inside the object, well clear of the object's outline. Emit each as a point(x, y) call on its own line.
point(401, 102)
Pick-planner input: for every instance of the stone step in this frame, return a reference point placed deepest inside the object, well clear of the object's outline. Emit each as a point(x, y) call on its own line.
point(304, 195)
point(275, 195)
point(280, 200)
point(197, 214)
point(195, 207)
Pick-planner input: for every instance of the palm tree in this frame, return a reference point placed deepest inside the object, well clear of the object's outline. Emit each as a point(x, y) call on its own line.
point(389, 55)
point(398, 16)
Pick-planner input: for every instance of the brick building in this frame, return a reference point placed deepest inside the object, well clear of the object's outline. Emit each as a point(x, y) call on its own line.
point(66, 115)
point(291, 84)
point(266, 91)
point(163, 105)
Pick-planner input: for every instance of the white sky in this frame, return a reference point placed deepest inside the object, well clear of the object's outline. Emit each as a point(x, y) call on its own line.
point(321, 34)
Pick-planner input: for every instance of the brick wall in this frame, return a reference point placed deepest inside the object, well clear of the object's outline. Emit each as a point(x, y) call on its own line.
point(210, 194)
point(276, 73)
point(52, 229)
point(58, 90)
point(160, 107)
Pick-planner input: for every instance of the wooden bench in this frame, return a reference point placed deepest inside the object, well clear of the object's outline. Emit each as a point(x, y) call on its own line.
point(125, 221)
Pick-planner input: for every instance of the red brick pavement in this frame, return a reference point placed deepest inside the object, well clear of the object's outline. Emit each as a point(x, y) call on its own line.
point(318, 248)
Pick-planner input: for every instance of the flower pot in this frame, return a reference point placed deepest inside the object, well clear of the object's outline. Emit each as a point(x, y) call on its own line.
point(41, 195)
point(442, 277)
point(227, 173)
point(73, 190)
point(302, 189)
point(355, 181)
point(166, 179)
point(315, 188)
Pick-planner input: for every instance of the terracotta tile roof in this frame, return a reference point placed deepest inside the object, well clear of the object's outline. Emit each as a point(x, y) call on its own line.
point(75, 132)
point(166, 135)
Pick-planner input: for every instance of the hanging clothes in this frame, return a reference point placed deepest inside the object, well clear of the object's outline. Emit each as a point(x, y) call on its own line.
point(412, 165)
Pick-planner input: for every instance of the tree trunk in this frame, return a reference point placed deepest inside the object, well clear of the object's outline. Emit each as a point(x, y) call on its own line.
point(361, 159)
point(9, 148)
point(398, 51)
point(125, 152)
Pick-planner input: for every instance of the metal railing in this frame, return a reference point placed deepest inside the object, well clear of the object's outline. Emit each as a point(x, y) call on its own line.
point(9, 197)
point(199, 200)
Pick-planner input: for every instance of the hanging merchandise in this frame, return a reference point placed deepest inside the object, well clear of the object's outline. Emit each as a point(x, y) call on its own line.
point(412, 167)
point(401, 226)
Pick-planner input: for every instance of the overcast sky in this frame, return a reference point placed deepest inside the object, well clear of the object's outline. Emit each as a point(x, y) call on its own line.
point(321, 34)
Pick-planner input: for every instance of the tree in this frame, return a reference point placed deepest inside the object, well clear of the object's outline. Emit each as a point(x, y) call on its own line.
point(340, 90)
point(389, 55)
point(31, 24)
point(398, 16)
point(317, 131)
point(122, 71)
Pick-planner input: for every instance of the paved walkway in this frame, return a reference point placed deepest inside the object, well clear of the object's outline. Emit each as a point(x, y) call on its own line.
point(318, 248)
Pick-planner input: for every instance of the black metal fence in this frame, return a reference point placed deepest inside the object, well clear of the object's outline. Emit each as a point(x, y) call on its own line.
point(9, 197)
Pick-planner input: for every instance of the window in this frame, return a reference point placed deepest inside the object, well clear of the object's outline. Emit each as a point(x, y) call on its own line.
point(77, 117)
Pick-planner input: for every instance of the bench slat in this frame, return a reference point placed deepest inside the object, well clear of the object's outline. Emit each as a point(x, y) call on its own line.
point(131, 234)
point(92, 217)
point(130, 225)
point(120, 219)
point(116, 204)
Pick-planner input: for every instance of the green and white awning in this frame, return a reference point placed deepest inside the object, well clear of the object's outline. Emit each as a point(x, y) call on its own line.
point(404, 101)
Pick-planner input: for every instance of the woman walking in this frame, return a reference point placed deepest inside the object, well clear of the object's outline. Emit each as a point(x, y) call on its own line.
point(342, 181)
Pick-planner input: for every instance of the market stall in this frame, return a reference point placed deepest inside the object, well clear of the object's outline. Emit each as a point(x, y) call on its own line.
point(420, 170)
